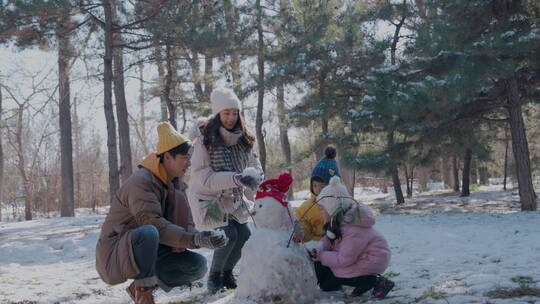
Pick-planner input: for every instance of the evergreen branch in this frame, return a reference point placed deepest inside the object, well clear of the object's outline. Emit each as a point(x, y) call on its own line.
point(97, 20)
point(494, 119)
point(128, 25)
point(71, 30)
point(138, 48)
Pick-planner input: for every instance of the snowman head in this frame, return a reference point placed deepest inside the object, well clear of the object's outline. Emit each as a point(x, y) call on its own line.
point(271, 204)
point(270, 214)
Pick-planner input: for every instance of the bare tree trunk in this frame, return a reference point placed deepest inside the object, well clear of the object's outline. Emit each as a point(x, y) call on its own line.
point(483, 173)
point(168, 85)
point(348, 175)
point(324, 117)
point(93, 172)
point(394, 173)
point(325, 130)
point(175, 94)
point(423, 178)
point(120, 97)
point(520, 148)
point(474, 171)
point(507, 140)
point(319, 150)
point(114, 181)
point(395, 39)
point(1, 156)
point(21, 163)
point(446, 168)
point(466, 173)
point(27, 201)
point(422, 12)
point(195, 64)
point(184, 118)
point(397, 186)
point(77, 138)
point(412, 181)
point(409, 179)
point(455, 171)
point(93, 191)
point(142, 117)
point(283, 132)
point(66, 148)
point(237, 84)
point(394, 170)
point(208, 76)
point(384, 185)
point(231, 19)
point(161, 75)
point(260, 102)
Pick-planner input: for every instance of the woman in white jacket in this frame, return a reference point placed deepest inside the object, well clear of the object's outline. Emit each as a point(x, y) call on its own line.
point(223, 147)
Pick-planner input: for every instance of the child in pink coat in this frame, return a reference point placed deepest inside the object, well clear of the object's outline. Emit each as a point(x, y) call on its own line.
point(353, 252)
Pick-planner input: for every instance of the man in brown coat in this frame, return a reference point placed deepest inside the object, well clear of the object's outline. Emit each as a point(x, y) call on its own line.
point(148, 228)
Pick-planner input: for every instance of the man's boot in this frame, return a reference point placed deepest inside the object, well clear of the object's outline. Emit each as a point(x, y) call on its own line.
point(141, 295)
point(228, 280)
point(215, 282)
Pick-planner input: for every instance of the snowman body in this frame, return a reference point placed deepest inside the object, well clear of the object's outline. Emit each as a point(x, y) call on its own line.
point(271, 272)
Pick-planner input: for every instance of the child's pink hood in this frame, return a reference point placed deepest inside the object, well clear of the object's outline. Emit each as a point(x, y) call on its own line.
point(362, 250)
point(359, 215)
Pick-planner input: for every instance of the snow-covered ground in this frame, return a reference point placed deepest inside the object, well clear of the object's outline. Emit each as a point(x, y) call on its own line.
point(445, 249)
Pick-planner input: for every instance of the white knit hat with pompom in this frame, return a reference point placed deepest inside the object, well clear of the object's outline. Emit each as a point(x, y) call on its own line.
point(332, 196)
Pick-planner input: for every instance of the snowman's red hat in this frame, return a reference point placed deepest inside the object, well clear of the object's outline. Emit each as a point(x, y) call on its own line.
point(276, 188)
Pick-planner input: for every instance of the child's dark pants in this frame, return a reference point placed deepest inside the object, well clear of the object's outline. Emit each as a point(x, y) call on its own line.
point(329, 282)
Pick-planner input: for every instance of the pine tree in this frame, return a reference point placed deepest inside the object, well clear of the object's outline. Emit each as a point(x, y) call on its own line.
point(325, 49)
point(309, 32)
point(188, 38)
point(483, 54)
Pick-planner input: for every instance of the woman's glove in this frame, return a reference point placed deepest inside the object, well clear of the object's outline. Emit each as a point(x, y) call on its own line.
point(245, 180)
point(210, 239)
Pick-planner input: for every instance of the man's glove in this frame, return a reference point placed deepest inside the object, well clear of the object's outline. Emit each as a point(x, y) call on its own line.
point(209, 239)
point(245, 180)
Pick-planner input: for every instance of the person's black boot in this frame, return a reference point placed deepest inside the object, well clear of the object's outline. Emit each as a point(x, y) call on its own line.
point(228, 280)
point(382, 287)
point(215, 282)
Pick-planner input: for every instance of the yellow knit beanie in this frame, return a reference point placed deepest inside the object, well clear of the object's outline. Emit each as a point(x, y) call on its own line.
point(168, 138)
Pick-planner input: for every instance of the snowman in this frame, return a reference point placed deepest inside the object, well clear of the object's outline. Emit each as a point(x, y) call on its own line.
point(273, 270)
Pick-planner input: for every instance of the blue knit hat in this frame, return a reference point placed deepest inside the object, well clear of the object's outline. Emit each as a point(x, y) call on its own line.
point(326, 168)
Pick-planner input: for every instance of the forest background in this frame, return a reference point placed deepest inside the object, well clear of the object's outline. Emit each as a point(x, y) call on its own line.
point(410, 92)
